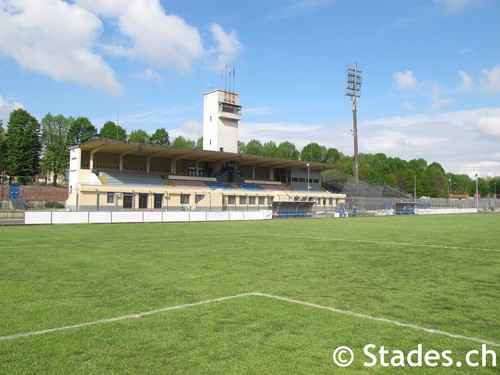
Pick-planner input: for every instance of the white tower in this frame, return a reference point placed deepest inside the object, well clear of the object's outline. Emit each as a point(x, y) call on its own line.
point(221, 114)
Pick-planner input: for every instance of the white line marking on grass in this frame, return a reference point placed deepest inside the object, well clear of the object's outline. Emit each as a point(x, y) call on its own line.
point(258, 294)
point(374, 242)
point(120, 318)
point(383, 320)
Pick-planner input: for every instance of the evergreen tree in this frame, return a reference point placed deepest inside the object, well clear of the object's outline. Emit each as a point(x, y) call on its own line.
point(55, 143)
point(81, 130)
point(23, 145)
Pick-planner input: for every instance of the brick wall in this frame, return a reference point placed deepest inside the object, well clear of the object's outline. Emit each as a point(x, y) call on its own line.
point(38, 193)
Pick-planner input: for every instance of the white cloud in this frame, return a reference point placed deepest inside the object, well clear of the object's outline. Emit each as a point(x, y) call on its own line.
point(257, 111)
point(490, 126)
point(300, 134)
point(439, 103)
point(55, 38)
point(61, 39)
point(467, 83)
point(190, 129)
point(298, 8)
point(453, 6)
point(228, 46)
point(408, 106)
point(405, 80)
point(490, 80)
point(454, 139)
point(150, 35)
point(149, 74)
point(6, 108)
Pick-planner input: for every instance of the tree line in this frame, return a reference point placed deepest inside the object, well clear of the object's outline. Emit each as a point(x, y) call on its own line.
point(29, 148)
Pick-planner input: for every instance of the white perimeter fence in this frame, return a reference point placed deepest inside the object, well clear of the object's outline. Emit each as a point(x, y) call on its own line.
point(432, 211)
point(62, 217)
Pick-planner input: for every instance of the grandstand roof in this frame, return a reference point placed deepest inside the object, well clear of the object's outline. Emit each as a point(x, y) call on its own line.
point(132, 148)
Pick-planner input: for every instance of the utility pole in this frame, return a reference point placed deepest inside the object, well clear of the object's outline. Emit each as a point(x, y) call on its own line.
point(353, 89)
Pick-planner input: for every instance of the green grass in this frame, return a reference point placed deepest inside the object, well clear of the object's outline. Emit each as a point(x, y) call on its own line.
point(438, 272)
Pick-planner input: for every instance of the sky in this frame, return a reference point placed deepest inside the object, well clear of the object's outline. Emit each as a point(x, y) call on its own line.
point(431, 70)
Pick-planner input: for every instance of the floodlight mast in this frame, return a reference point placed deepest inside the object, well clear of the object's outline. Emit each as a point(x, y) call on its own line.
point(353, 89)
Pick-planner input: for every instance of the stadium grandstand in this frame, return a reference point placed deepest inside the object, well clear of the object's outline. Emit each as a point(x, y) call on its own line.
point(108, 175)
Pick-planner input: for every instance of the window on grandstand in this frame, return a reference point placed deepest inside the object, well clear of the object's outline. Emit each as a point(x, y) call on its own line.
point(262, 200)
point(193, 172)
point(243, 199)
point(111, 198)
point(316, 181)
point(231, 199)
point(269, 200)
point(158, 201)
point(251, 200)
point(143, 201)
point(198, 197)
point(128, 200)
point(185, 198)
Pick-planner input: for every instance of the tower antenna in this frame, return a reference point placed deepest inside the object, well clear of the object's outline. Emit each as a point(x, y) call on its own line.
point(353, 89)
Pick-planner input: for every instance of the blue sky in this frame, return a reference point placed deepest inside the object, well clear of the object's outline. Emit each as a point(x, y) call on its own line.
point(431, 70)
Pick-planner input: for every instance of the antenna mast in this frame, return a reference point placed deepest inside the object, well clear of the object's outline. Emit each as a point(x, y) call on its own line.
point(353, 89)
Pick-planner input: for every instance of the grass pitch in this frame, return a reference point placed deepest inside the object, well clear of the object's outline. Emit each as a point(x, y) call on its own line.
point(432, 272)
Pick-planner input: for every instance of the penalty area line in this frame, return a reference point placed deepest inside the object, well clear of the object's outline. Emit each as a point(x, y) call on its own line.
point(258, 294)
point(383, 320)
point(120, 318)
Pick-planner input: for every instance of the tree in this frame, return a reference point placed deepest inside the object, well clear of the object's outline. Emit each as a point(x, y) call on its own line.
point(23, 145)
point(3, 148)
point(112, 131)
point(241, 147)
point(160, 137)
point(55, 143)
point(182, 142)
point(332, 155)
point(199, 143)
point(253, 147)
point(287, 150)
point(482, 187)
point(417, 165)
point(270, 149)
point(81, 130)
point(494, 186)
point(313, 152)
point(459, 183)
point(138, 136)
point(435, 182)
